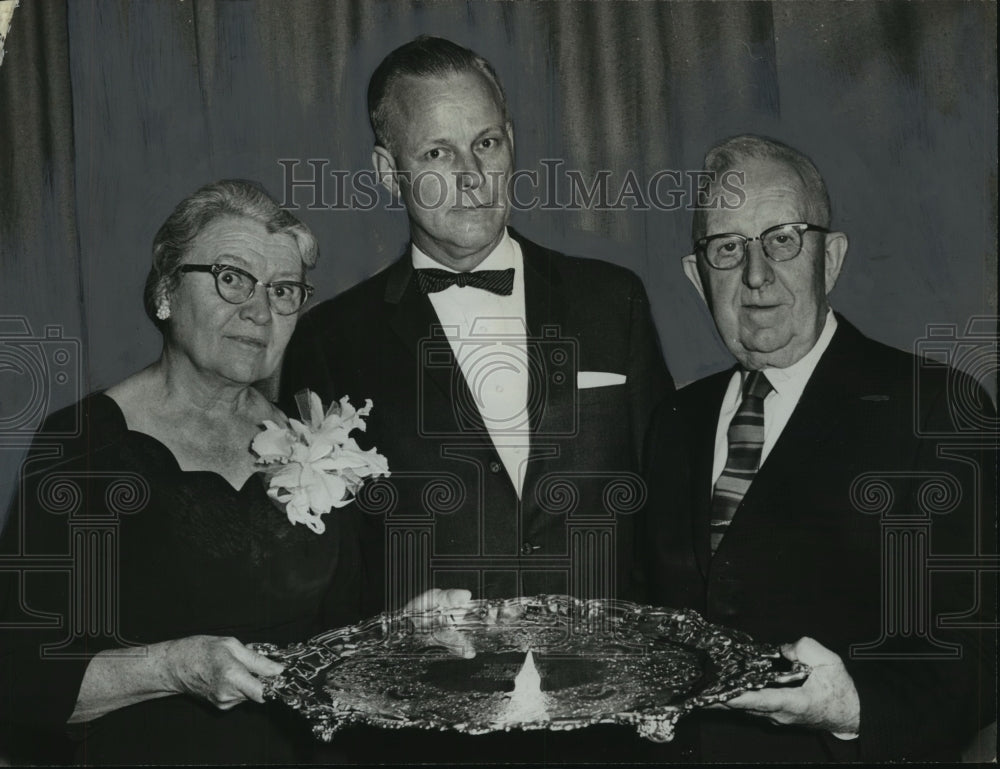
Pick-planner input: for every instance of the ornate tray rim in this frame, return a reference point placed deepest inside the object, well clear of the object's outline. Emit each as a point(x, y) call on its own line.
point(736, 653)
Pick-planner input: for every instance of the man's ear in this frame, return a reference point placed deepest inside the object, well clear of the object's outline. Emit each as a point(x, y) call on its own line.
point(385, 169)
point(833, 258)
point(690, 264)
point(509, 130)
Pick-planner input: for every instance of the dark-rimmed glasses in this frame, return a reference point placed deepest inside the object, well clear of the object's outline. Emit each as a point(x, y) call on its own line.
point(780, 243)
point(236, 286)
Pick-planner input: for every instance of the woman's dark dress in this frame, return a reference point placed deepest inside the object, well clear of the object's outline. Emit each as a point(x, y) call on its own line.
point(178, 554)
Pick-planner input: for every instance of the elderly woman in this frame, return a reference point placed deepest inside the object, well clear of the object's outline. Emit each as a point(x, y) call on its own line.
point(207, 564)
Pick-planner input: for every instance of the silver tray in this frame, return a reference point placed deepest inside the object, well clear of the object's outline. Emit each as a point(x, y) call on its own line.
point(592, 662)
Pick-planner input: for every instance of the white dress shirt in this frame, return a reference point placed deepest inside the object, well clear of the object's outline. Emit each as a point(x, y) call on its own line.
point(787, 383)
point(488, 336)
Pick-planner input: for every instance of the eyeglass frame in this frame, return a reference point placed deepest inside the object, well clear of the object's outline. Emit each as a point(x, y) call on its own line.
point(701, 243)
point(217, 269)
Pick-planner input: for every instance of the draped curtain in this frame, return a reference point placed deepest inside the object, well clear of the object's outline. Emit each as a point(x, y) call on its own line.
point(111, 111)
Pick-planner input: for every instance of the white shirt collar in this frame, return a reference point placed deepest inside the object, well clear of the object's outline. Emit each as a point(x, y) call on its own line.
point(788, 383)
point(500, 258)
point(794, 377)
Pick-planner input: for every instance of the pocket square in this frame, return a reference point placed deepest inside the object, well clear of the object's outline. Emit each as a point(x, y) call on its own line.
point(587, 379)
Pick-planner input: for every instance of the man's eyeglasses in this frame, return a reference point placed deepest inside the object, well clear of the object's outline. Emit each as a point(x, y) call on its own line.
point(780, 243)
point(236, 286)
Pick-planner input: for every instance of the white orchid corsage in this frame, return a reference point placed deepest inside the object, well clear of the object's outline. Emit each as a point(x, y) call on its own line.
point(314, 465)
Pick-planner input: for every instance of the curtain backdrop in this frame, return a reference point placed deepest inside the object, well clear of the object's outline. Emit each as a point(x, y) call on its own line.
point(111, 111)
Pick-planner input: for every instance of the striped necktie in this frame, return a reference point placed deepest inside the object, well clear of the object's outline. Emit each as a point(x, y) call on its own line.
point(746, 440)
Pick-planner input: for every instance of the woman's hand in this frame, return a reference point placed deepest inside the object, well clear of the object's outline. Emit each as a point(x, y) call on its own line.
point(220, 670)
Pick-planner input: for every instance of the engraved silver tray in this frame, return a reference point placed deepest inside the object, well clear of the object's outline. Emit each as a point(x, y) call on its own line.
point(595, 662)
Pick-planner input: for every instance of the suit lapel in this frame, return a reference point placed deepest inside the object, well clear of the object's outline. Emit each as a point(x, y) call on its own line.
point(830, 390)
point(545, 316)
point(415, 323)
point(703, 423)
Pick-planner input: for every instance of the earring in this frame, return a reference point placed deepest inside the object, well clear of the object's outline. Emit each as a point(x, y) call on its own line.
point(163, 311)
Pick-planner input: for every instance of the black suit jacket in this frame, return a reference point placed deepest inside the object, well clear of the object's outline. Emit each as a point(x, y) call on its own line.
point(449, 516)
point(860, 530)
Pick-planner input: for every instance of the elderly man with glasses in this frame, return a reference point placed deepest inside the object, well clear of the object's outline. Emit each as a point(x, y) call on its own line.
point(793, 496)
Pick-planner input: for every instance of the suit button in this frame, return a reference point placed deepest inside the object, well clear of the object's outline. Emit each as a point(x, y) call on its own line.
point(495, 466)
point(527, 548)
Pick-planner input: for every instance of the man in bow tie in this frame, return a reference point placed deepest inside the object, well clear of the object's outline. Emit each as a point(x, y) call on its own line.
point(512, 385)
point(801, 496)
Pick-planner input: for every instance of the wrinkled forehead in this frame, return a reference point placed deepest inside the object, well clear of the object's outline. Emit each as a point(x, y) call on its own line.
point(767, 192)
point(763, 173)
point(244, 241)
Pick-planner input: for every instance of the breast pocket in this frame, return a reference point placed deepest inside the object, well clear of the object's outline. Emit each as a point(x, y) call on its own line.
point(603, 395)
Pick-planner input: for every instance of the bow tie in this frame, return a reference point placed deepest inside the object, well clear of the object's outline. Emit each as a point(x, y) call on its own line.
point(501, 282)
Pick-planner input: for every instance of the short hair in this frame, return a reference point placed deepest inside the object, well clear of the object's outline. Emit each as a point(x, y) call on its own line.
point(424, 56)
point(228, 197)
point(726, 156)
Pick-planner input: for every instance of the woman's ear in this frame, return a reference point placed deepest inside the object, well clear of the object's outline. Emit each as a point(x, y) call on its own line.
point(162, 303)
